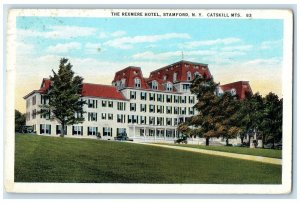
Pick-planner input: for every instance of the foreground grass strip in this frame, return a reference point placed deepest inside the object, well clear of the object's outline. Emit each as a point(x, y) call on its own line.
point(272, 153)
point(220, 153)
point(64, 160)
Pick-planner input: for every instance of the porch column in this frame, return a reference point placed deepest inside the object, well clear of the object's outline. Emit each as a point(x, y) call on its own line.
point(154, 133)
point(165, 134)
point(134, 131)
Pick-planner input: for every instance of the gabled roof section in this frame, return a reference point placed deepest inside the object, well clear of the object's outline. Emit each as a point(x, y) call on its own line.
point(129, 74)
point(45, 85)
point(242, 88)
point(102, 91)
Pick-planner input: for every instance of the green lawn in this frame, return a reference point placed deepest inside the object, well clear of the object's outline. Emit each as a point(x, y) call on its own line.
point(273, 153)
point(53, 159)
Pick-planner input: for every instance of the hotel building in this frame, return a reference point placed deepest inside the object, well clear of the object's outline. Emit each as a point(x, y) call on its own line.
point(145, 108)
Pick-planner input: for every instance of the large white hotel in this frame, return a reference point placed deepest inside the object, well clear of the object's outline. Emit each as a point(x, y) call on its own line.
point(144, 108)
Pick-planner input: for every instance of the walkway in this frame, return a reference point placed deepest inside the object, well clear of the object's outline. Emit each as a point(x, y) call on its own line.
point(218, 153)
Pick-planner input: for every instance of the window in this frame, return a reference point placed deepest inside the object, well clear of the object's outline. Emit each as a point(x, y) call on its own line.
point(143, 119)
point(186, 87)
point(176, 99)
point(152, 96)
point(77, 130)
point(143, 107)
point(183, 110)
point(160, 121)
point(44, 99)
point(121, 131)
point(110, 104)
point(154, 85)
point(110, 116)
point(132, 119)
point(197, 74)
point(191, 111)
point(169, 98)
point(121, 106)
point(104, 103)
point(58, 129)
point(45, 129)
point(33, 113)
point(165, 77)
point(137, 82)
point(28, 116)
point(120, 118)
point(174, 77)
point(143, 95)
point(92, 116)
point(107, 131)
point(132, 106)
point(27, 102)
point(189, 76)
point(92, 130)
point(169, 121)
point(175, 121)
point(103, 116)
point(45, 114)
point(191, 99)
point(169, 86)
point(169, 109)
point(183, 99)
point(33, 100)
point(92, 103)
point(132, 95)
point(159, 97)
point(78, 115)
point(152, 108)
point(176, 110)
point(151, 120)
point(160, 109)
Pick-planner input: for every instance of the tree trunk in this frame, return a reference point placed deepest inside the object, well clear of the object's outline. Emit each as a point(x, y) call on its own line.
point(62, 132)
point(207, 141)
point(227, 141)
point(242, 139)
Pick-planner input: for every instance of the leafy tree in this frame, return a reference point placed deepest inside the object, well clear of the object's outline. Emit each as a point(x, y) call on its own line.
point(272, 119)
point(20, 120)
point(64, 95)
point(228, 114)
point(204, 124)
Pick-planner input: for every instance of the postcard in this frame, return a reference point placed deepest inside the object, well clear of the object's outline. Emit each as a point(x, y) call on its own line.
point(160, 101)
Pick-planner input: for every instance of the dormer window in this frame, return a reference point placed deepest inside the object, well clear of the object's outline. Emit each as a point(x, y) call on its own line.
point(137, 82)
point(174, 77)
point(122, 84)
point(154, 85)
point(189, 76)
point(169, 86)
point(135, 72)
point(165, 77)
point(197, 74)
point(197, 67)
point(186, 65)
point(233, 92)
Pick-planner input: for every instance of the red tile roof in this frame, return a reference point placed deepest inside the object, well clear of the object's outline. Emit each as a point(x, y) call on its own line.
point(45, 85)
point(241, 87)
point(102, 91)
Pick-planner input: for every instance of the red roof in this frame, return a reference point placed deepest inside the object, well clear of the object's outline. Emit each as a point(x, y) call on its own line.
point(181, 68)
point(129, 74)
point(241, 87)
point(103, 91)
point(92, 90)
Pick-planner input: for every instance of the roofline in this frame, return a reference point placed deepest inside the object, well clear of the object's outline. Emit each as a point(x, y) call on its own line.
point(242, 81)
point(182, 61)
point(106, 98)
point(31, 93)
point(128, 68)
point(162, 91)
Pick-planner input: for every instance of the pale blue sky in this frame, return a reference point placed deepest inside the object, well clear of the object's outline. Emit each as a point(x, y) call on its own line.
point(245, 49)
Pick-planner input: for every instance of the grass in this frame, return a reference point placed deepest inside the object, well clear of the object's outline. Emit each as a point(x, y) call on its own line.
point(272, 153)
point(66, 160)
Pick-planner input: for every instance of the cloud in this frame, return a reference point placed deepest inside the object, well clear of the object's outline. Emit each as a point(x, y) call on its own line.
point(64, 48)
point(271, 44)
point(237, 48)
point(118, 33)
point(58, 32)
point(127, 42)
point(224, 41)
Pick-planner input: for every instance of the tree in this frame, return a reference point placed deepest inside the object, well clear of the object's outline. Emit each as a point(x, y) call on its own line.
point(228, 117)
point(20, 120)
point(65, 103)
point(205, 123)
point(272, 119)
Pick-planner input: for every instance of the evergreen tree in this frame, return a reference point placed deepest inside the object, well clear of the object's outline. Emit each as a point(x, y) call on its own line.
point(65, 104)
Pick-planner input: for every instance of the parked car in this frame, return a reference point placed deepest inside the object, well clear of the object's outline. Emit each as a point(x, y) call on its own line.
point(26, 129)
point(181, 140)
point(123, 138)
